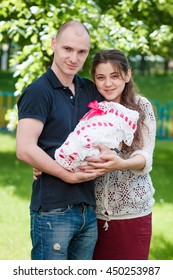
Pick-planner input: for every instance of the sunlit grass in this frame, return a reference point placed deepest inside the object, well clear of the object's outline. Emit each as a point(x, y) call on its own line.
point(14, 229)
point(162, 177)
point(156, 87)
point(15, 191)
point(162, 241)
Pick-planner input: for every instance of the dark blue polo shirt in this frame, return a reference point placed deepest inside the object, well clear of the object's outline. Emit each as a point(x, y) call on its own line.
point(47, 100)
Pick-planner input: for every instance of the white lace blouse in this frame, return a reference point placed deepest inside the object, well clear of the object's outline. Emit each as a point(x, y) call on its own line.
point(129, 194)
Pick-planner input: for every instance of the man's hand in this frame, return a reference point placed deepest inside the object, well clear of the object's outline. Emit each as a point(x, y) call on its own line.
point(36, 173)
point(75, 177)
point(80, 176)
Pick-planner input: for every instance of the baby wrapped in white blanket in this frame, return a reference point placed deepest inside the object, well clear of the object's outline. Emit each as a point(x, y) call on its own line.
point(108, 123)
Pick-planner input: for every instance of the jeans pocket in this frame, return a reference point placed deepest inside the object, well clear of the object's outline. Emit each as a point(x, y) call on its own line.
point(59, 210)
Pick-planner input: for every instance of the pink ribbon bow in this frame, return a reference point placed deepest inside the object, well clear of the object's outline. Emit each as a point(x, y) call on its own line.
point(95, 110)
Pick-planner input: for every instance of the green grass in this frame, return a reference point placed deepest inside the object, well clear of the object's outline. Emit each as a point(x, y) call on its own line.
point(162, 177)
point(156, 87)
point(162, 242)
point(15, 191)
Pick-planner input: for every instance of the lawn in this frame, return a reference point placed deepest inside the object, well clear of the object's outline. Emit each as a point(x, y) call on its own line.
point(157, 87)
point(15, 191)
point(15, 188)
point(162, 176)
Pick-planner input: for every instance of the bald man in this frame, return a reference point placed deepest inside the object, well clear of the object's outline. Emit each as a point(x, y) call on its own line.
point(62, 208)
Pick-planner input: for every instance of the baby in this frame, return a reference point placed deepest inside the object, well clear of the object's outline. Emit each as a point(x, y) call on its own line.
point(108, 123)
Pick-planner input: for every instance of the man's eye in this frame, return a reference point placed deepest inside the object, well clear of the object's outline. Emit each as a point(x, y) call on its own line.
point(83, 52)
point(67, 49)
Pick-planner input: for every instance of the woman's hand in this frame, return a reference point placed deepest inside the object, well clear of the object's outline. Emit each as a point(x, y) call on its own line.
point(107, 162)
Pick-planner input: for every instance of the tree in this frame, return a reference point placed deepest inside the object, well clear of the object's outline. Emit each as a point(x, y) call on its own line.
point(150, 21)
point(127, 25)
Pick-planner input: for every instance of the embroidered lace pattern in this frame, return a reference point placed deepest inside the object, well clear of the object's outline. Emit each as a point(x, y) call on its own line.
point(128, 193)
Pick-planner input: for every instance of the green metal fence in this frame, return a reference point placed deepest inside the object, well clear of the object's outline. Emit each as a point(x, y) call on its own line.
point(164, 117)
point(164, 114)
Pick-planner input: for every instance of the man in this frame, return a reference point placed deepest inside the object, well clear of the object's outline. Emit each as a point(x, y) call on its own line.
point(63, 220)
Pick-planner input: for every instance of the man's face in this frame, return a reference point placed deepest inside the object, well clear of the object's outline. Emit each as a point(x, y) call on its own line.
point(71, 49)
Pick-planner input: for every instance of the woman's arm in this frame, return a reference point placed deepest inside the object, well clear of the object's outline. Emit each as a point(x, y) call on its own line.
point(109, 161)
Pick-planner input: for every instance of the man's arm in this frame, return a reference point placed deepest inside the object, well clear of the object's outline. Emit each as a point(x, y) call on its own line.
point(27, 150)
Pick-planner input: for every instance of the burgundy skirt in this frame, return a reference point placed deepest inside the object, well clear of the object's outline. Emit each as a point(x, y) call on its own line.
point(124, 239)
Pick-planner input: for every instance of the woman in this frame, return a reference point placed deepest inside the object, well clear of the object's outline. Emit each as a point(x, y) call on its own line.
point(124, 194)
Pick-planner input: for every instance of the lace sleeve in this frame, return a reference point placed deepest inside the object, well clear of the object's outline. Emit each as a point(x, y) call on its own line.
point(148, 134)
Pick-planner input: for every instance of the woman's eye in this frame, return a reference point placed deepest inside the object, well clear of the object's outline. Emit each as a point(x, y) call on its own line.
point(100, 78)
point(115, 76)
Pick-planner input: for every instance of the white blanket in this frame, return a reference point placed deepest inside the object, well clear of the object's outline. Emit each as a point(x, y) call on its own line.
point(108, 123)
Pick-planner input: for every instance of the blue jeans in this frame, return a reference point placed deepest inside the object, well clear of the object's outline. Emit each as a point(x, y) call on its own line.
point(68, 233)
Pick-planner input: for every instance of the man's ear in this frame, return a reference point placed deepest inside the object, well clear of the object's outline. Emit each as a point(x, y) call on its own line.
point(53, 43)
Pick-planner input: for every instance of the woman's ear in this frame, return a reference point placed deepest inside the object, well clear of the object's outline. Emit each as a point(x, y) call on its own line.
point(128, 76)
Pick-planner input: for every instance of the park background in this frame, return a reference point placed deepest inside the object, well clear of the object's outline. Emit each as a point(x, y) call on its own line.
point(144, 31)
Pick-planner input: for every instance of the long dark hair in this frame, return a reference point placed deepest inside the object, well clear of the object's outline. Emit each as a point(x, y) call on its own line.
point(128, 98)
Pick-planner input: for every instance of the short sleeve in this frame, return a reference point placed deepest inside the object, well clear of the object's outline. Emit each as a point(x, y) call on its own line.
point(34, 102)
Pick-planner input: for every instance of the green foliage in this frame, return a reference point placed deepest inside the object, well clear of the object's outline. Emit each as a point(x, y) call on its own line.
point(134, 26)
point(115, 24)
point(7, 81)
point(31, 25)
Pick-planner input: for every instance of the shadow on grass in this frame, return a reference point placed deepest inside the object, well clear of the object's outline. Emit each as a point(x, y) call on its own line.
point(162, 175)
point(15, 176)
point(161, 249)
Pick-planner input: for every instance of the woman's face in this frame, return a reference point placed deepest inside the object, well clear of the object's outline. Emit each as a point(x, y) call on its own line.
point(109, 82)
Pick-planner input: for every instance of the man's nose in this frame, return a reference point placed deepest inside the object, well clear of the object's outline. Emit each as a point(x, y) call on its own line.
point(73, 57)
